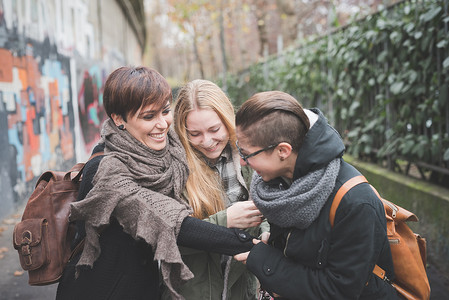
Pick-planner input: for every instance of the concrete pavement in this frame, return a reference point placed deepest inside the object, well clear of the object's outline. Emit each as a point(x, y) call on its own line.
point(13, 280)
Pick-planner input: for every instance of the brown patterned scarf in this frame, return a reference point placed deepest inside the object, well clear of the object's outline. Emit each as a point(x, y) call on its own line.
point(141, 188)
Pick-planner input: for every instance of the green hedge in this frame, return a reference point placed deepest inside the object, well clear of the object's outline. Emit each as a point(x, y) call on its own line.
point(382, 81)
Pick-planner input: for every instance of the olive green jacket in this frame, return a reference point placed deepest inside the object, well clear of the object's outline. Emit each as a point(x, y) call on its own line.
point(210, 279)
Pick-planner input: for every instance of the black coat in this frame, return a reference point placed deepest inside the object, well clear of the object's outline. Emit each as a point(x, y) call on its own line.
point(323, 263)
point(126, 268)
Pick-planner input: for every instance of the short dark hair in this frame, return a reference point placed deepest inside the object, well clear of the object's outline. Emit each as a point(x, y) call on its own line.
point(273, 117)
point(129, 88)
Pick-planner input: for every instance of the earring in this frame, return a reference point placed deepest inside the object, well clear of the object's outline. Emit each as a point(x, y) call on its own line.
point(282, 158)
point(121, 127)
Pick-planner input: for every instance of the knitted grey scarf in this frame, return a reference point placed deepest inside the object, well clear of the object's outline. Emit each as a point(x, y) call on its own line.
point(141, 188)
point(300, 204)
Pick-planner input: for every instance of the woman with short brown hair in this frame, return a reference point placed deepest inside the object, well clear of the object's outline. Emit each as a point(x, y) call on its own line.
point(298, 164)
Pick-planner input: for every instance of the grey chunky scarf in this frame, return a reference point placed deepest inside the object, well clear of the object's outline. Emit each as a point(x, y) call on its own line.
point(141, 188)
point(300, 204)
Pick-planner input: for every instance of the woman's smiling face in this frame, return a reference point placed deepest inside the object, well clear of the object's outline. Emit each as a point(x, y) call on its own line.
point(207, 133)
point(150, 126)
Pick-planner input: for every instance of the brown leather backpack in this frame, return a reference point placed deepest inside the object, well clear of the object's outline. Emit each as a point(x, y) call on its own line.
point(408, 249)
point(43, 237)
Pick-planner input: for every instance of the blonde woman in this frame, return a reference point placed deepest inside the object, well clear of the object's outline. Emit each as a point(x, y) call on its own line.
point(215, 189)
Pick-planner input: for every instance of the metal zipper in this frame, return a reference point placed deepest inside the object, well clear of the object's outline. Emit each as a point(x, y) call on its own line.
point(286, 242)
point(393, 208)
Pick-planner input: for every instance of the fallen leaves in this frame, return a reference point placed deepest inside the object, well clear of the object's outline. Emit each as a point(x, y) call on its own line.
point(10, 221)
point(3, 250)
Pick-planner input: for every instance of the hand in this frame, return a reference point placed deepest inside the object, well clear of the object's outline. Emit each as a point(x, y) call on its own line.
point(242, 257)
point(265, 236)
point(243, 214)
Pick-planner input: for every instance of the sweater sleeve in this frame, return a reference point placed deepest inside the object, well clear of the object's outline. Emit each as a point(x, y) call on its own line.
point(209, 237)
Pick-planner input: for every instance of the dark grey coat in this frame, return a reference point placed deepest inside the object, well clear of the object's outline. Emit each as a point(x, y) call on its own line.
point(320, 262)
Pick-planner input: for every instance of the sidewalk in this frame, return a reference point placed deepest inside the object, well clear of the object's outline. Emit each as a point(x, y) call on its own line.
point(14, 282)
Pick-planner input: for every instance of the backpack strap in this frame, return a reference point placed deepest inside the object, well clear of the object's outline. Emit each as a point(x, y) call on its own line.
point(341, 192)
point(82, 165)
point(80, 246)
point(336, 202)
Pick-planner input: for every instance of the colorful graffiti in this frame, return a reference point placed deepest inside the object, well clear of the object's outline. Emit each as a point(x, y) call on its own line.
point(37, 102)
point(51, 89)
point(90, 104)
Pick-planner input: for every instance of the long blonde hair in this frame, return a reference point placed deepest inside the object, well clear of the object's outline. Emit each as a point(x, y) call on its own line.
point(204, 189)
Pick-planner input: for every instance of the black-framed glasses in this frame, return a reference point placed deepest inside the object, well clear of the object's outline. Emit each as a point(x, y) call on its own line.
point(245, 157)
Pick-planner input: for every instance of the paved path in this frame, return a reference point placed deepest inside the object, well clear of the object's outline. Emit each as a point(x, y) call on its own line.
point(16, 286)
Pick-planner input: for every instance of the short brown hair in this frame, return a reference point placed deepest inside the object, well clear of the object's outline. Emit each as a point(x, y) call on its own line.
point(273, 117)
point(129, 88)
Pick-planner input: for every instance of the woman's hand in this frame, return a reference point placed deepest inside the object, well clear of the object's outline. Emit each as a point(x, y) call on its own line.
point(243, 214)
point(242, 257)
point(265, 236)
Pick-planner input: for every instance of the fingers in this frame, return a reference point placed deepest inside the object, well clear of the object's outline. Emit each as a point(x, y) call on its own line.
point(242, 257)
point(264, 237)
point(249, 222)
point(243, 214)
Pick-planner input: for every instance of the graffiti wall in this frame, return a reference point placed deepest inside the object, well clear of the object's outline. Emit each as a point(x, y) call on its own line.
point(51, 91)
point(90, 108)
point(36, 109)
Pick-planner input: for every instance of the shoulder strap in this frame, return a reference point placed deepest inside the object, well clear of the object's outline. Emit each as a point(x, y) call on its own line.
point(337, 199)
point(80, 246)
point(341, 192)
point(80, 172)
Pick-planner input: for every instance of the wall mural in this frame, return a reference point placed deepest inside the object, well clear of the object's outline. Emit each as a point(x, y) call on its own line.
point(51, 103)
point(36, 102)
point(90, 102)
point(36, 112)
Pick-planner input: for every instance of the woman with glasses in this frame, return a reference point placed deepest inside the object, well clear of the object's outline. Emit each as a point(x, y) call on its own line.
point(298, 164)
point(216, 189)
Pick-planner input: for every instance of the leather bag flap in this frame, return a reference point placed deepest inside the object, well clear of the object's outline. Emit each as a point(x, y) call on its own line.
point(29, 232)
point(29, 238)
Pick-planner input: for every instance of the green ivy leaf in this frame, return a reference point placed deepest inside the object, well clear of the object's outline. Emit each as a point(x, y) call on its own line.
point(429, 15)
point(353, 108)
point(396, 87)
point(395, 37)
point(406, 147)
point(442, 44)
point(446, 155)
point(354, 133)
point(446, 63)
point(409, 27)
point(405, 111)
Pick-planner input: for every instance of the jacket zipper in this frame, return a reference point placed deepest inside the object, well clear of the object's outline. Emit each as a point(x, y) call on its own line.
point(286, 242)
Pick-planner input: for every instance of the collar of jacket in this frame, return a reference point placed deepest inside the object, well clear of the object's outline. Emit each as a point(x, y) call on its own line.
point(321, 145)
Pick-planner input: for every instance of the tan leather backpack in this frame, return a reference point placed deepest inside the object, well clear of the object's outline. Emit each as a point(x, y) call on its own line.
point(408, 249)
